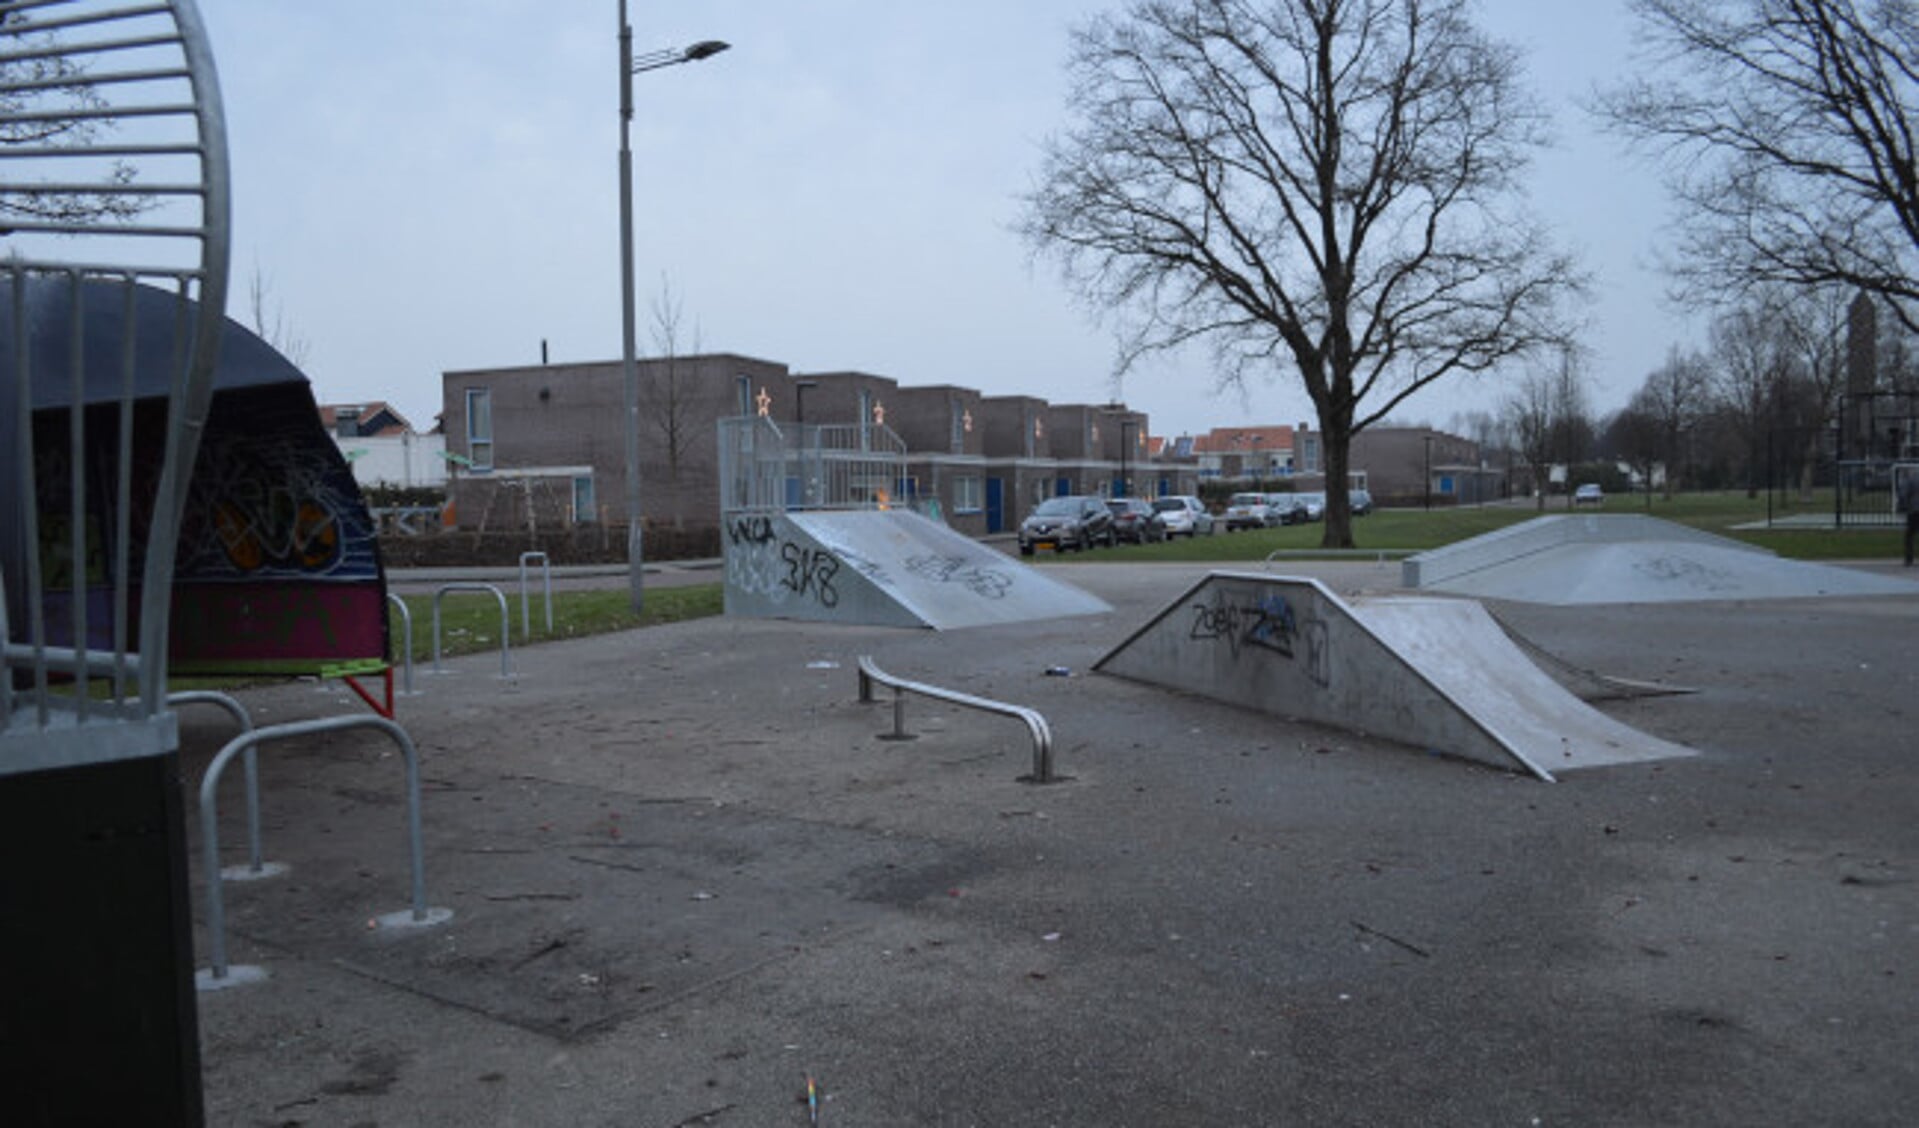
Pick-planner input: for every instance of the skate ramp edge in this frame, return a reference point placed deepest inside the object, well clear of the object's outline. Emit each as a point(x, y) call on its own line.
point(1437, 674)
point(1542, 534)
point(892, 568)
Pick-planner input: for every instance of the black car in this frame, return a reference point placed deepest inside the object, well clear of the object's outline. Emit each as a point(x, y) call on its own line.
point(1136, 521)
point(1074, 521)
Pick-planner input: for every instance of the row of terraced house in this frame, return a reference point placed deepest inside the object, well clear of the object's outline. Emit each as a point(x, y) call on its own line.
point(542, 444)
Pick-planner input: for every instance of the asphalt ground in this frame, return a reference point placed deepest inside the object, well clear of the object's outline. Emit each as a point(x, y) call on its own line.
point(686, 874)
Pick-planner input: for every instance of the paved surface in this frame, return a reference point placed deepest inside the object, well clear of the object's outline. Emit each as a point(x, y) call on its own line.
point(686, 875)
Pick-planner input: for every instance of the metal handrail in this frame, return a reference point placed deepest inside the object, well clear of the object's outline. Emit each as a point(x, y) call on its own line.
point(1035, 723)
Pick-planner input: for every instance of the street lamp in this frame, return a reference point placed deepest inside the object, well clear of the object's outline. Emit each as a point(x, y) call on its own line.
point(1429, 473)
point(629, 366)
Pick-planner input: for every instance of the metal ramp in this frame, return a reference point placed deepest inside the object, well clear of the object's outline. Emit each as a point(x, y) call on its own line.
point(812, 530)
point(1437, 674)
point(1627, 558)
point(883, 567)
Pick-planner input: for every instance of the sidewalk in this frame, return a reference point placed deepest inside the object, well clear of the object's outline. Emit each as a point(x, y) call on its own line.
point(686, 874)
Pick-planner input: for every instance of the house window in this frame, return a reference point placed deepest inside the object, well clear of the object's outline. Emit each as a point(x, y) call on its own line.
point(958, 442)
point(966, 493)
point(745, 386)
point(479, 427)
point(585, 509)
point(1309, 454)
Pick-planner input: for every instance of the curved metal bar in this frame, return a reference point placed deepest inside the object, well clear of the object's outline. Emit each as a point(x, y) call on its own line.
point(210, 816)
point(406, 649)
point(546, 582)
point(1035, 723)
point(506, 623)
point(251, 763)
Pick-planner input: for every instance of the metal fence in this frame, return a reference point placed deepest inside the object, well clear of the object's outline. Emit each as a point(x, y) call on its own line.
point(774, 467)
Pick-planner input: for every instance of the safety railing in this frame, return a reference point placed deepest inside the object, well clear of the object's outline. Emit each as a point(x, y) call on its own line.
point(772, 467)
point(871, 675)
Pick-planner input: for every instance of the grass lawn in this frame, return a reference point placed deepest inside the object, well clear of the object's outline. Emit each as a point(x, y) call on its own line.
point(470, 621)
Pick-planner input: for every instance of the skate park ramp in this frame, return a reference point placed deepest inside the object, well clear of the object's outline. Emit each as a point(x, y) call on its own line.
point(1627, 558)
point(883, 567)
point(1434, 673)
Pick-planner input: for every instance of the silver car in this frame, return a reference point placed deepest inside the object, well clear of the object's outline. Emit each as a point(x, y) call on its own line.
point(1184, 516)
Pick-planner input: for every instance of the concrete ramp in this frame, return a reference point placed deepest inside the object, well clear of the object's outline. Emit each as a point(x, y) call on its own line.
point(1627, 558)
point(1433, 673)
point(889, 568)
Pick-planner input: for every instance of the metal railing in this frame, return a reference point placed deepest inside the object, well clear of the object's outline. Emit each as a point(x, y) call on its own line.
point(871, 674)
point(546, 585)
point(771, 467)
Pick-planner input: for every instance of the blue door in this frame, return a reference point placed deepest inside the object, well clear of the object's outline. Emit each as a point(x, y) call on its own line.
point(1062, 487)
point(995, 505)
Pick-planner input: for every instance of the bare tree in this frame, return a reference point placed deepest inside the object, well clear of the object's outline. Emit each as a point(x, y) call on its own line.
point(1813, 327)
point(1790, 125)
point(269, 321)
point(36, 94)
point(1528, 418)
point(1671, 402)
point(669, 396)
point(1747, 367)
point(1329, 187)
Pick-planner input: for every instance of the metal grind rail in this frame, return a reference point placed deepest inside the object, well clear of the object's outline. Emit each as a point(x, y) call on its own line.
point(871, 674)
point(219, 975)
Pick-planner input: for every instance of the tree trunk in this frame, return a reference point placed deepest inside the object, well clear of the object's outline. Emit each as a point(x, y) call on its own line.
point(1339, 504)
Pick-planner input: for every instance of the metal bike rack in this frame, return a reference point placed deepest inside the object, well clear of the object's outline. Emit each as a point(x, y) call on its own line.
point(546, 582)
point(1035, 723)
point(219, 975)
point(256, 868)
point(406, 650)
point(506, 626)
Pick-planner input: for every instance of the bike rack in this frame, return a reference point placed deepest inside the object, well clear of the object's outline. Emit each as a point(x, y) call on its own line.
point(219, 975)
point(1035, 723)
point(406, 650)
point(546, 582)
point(506, 625)
point(255, 868)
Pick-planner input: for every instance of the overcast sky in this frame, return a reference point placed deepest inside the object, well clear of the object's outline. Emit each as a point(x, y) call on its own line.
point(432, 186)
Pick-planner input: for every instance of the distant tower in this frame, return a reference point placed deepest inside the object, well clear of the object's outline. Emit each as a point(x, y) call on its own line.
point(1862, 375)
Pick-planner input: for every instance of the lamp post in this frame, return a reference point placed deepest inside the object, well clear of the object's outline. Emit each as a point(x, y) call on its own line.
point(1429, 473)
point(629, 365)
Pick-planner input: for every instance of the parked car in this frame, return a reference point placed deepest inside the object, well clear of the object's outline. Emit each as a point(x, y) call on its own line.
point(1074, 521)
point(1307, 507)
point(1589, 494)
point(1184, 515)
point(1136, 521)
point(1362, 502)
point(1250, 511)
